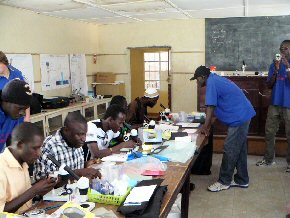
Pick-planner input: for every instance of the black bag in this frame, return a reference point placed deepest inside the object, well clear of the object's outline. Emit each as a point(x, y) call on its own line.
point(35, 105)
point(203, 162)
point(54, 103)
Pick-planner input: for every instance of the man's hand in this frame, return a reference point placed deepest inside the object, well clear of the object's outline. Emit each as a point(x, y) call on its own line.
point(90, 173)
point(203, 130)
point(44, 186)
point(277, 64)
point(285, 61)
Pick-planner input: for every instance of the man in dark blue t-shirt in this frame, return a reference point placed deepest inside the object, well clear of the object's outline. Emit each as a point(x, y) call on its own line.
point(227, 102)
point(279, 109)
point(15, 98)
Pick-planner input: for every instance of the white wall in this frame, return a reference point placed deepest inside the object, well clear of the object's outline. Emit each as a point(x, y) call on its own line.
point(186, 38)
point(23, 31)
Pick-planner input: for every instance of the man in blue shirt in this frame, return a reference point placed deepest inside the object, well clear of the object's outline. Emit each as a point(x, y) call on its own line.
point(15, 98)
point(8, 73)
point(279, 81)
point(229, 104)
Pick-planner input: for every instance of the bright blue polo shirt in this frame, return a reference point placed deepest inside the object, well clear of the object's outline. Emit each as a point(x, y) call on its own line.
point(7, 124)
point(281, 89)
point(14, 74)
point(231, 105)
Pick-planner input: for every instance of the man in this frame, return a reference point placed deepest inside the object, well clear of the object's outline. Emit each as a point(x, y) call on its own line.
point(15, 187)
point(8, 73)
point(102, 132)
point(226, 100)
point(138, 108)
point(15, 99)
point(279, 81)
point(66, 147)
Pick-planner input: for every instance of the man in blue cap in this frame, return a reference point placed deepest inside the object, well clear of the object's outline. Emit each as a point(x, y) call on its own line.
point(15, 98)
point(227, 102)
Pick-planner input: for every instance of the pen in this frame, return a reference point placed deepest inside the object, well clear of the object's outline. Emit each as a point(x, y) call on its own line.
point(52, 207)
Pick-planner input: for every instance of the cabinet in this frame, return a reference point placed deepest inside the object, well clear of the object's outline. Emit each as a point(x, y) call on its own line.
point(49, 121)
point(257, 92)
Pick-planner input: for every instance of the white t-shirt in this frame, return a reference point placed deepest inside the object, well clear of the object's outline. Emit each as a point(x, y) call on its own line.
point(96, 134)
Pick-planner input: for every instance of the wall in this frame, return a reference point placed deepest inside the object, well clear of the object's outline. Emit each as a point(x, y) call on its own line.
point(186, 38)
point(23, 31)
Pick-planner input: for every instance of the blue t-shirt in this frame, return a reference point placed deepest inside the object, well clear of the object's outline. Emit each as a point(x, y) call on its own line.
point(281, 89)
point(231, 105)
point(14, 74)
point(7, 124)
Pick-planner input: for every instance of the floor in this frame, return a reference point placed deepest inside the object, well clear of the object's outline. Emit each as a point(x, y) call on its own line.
point(267, 195)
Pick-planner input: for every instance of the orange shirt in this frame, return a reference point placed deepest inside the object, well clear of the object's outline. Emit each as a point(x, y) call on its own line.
point(14, 180)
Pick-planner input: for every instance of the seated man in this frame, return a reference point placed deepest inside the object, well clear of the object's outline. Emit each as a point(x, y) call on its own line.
point(137, 109)
point(101, 132)
point(15, 187)
point(15, 99)
point(66, 147)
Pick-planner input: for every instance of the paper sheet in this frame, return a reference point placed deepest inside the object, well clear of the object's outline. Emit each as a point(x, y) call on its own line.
point(23, 62)
point(116, 157)
point(190, 131)
point(166, 127)
point(78, 73)
point(188, 125)
point(140, 194)
point(183, 139)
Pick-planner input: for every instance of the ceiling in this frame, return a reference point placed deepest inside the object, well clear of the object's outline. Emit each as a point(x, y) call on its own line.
point(125, 11)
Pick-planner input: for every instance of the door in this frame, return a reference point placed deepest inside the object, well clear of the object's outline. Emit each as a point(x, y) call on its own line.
point(150, 68)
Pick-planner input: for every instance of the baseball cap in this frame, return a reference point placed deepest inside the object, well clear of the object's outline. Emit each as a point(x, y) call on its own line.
point(201, 71)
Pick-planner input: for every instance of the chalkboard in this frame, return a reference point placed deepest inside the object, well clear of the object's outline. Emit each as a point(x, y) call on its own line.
point(255, 40)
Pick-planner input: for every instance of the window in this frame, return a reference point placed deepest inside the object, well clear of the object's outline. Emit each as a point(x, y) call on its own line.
point(154, 64)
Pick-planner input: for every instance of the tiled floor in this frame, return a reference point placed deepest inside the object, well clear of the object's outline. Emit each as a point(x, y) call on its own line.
point(266, 197)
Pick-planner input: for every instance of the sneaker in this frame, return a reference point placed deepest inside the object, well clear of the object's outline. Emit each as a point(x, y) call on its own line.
point(264, 163)
point(216, 187)
point(234, 184)
point(288, 169)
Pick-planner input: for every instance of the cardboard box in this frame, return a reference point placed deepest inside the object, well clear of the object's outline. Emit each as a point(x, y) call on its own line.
point(110, 89)
point(105, 77)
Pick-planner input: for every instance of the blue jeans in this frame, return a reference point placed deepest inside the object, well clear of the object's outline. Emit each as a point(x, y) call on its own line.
point(235, 156)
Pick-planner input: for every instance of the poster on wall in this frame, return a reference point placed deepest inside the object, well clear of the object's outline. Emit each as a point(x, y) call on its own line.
point(54, 71)
point(23, 62)
point(78, 74)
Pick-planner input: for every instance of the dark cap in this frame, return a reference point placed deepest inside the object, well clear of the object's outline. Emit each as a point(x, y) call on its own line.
point(201, 71)
point(17, 92)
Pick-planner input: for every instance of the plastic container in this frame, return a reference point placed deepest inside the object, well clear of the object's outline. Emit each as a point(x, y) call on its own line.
point(107, 199)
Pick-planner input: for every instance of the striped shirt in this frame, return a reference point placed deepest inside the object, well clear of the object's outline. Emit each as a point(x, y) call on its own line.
point(57, 147)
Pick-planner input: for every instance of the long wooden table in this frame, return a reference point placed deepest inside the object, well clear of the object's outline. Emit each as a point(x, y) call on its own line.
point(177, 178)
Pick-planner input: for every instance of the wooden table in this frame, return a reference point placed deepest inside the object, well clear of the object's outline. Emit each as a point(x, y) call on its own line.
point(177, 178)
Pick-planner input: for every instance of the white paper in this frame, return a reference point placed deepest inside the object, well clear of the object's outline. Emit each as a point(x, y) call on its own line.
point(188, 125)
point(78, 73)
point(23, 62)
point(183, 139)
point(54, 71)
point(140, 194)
point(190, 131)
point(166, 127)
point(122, 157)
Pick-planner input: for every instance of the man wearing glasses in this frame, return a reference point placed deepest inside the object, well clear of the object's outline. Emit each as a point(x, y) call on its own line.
point(279, 81)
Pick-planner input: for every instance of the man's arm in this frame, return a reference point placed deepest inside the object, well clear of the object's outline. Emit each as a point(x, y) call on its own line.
point(272, 80)
point(40, 188)
point(131, 113)
point(204, 129)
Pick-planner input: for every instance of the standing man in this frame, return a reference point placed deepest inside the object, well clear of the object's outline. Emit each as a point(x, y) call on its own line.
point(137, 109)
point(279, 81)
point(229, 104)
point(15, 98)
point(8, 73)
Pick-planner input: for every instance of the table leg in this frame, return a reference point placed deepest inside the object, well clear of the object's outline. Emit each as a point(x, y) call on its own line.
point(185, 197)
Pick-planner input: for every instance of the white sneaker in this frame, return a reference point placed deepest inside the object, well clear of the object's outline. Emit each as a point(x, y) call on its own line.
point(234, 184)
point(288, 169)
point(216, 187)
point(265, 163)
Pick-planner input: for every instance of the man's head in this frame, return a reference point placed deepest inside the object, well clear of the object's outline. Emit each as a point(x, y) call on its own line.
point(3, 63)
point(285, 49)
point(151, 97)
point(75, 129)
point(16, 98)
point(115, 116)
point(201, 74)
point(120, 100)
point(26, 140)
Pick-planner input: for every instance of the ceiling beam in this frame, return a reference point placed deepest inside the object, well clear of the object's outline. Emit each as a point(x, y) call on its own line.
point(178, 8)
